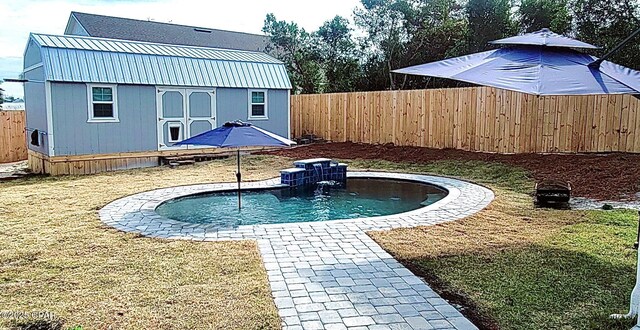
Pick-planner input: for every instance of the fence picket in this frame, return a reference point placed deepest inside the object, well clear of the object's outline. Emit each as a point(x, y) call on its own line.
point(13, 141)
point(472, 118)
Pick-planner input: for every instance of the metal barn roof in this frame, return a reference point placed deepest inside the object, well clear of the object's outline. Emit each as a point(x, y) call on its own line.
point(89, 59)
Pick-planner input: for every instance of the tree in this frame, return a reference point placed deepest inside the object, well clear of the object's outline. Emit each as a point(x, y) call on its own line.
point(338, 54)
point(383, 22)
point(400, 33)
point(293, 45)
point(437, 29)
point(407, 32)
point(1, 97)
point(606, 23)
point(534, 15)
point(488, 20)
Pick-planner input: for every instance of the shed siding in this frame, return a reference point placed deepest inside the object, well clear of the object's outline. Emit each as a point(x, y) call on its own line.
point(32, 54)
point(36, 109)
point(233, 104)
point(136, 130)
point(278, 101)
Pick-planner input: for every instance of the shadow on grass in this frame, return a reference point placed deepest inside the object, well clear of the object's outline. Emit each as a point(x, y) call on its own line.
point(36, 324)
point(533, 287)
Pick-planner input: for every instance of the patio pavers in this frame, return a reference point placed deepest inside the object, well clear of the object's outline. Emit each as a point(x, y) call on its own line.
point(330, 274)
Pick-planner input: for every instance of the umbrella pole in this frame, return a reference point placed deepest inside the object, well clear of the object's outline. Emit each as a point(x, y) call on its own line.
point(239, 178)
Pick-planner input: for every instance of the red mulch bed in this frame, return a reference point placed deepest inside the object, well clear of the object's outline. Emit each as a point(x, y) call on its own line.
point(613, 176)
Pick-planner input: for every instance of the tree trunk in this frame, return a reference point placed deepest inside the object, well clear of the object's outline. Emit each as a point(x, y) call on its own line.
point(391, 83)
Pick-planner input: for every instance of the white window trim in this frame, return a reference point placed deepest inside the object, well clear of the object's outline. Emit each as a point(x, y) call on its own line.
point(180, 132)
point(266, 108)
point(90, 103)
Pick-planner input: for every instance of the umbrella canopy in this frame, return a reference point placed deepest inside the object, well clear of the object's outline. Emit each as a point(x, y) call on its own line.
point(236, 135)
point(544, 37)
point(535, 69)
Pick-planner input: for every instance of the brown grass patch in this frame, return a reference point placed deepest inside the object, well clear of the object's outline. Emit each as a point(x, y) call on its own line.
point(509, 220)
point(55, 255)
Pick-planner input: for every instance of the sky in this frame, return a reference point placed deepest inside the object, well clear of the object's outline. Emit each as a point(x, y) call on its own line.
point(20, 17)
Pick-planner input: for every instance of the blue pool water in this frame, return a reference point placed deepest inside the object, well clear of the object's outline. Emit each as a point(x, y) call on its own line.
point(358, 198)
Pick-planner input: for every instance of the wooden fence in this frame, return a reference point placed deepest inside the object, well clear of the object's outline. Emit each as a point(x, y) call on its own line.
point(475, 118)
point(13, 143)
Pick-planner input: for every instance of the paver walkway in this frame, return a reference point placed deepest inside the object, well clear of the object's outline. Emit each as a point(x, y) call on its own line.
point(327, 275)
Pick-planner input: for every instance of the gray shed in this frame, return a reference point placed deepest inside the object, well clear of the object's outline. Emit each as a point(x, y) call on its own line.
point(108, 104)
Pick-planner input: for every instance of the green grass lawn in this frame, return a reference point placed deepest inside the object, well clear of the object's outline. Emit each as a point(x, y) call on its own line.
point(571, 280)
point(517, 267)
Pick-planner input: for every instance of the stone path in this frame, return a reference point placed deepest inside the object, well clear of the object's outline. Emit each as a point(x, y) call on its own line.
point(326, 275)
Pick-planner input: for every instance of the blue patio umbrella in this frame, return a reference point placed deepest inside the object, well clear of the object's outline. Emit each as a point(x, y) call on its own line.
point(540, 63)
point(237, 134)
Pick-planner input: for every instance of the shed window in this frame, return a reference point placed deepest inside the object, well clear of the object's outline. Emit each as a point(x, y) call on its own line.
point(257, 104)
point(102, 103)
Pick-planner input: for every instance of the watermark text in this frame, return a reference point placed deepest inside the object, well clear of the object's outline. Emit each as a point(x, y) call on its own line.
point(19, 315)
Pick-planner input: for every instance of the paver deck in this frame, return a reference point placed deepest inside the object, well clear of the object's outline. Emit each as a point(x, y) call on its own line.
point(329, 274)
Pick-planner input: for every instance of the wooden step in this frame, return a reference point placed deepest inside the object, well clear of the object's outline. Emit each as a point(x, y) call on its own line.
point(182, 162)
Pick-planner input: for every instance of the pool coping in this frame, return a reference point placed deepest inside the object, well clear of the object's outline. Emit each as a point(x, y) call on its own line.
point(136, 213)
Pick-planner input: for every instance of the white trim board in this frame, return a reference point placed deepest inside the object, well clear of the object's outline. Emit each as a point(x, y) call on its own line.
point(49, 110)
point(289, 114)
point(32, 67)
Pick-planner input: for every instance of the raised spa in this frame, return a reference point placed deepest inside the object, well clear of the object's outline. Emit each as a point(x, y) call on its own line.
point(350, 199)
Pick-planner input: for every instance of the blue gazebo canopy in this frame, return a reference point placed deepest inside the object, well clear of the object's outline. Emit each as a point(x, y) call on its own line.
point(537, 63)
point(544, 37)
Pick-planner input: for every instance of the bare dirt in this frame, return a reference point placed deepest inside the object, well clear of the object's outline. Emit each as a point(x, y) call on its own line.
point(611, 176)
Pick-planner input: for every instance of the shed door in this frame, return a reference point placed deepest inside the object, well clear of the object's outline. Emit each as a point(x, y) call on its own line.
point(183, 113)
point(171, 118)
point(201, 112)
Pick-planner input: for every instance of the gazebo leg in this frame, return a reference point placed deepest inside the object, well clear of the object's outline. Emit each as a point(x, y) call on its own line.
point(634, 304)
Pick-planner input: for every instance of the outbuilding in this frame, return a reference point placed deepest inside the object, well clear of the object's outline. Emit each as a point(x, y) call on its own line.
point(97, 104)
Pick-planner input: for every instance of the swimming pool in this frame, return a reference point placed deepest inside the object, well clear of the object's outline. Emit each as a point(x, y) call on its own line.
point(357, 198)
